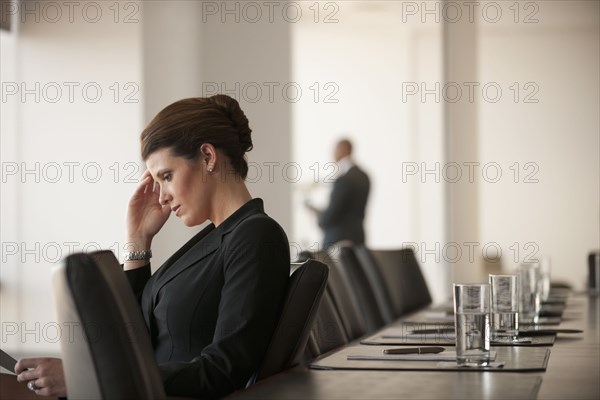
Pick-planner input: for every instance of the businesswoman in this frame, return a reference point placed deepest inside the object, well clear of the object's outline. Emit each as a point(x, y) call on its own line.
point(211, 308)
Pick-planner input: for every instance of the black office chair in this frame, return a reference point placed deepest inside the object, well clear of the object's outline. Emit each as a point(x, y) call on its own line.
point(377, 282)
point(593, 272)
point(402, 278)
point(342, 295)
point(107, 353)
point(361, 287)
point(305, 291)
point(327, 332)
point(392, 279)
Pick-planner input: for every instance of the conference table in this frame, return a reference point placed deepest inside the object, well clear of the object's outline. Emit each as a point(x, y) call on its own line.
point(572, 371)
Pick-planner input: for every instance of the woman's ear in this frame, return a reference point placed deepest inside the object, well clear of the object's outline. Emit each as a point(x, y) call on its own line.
point(208, 154)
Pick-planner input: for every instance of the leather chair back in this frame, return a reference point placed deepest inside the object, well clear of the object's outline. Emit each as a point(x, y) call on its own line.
point(403, 279)
point(108, 353)
point(328, 332)
point(361, 287)
point(305, 291)
point(377, 282)
point(342, 295)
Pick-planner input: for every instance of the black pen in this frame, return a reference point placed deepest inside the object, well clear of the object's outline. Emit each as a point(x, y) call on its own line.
point(414, 350)
point(432, 331)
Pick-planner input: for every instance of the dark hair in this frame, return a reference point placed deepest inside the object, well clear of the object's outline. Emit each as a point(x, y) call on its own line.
point(187, 124)
point(346, 144)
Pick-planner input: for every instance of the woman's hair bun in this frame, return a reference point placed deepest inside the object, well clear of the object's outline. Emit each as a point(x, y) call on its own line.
point(187, 124)
point(231, 108)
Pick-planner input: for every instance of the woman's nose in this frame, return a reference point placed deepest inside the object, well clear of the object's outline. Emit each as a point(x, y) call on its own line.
point(164, 198)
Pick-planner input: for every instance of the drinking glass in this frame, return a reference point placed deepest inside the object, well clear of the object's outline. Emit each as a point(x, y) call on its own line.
point(545, 269)
point(472, 319)
point(529, 298)
point(504, 307)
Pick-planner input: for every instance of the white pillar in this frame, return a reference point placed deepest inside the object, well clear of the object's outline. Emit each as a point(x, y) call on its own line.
point(460, 62)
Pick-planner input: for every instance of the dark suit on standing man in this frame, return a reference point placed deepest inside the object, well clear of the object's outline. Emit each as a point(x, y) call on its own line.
point(343, 218)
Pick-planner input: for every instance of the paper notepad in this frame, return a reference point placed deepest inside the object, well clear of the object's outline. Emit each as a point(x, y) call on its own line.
point(444, 356)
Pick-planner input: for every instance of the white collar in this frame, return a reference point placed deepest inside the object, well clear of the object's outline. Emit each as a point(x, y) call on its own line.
point(344, 165)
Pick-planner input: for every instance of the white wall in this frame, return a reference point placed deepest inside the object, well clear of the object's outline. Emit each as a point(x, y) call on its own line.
point(57, 210)
point(368, 57)
point(9, 193)
point(558, 214)
point(461, 144)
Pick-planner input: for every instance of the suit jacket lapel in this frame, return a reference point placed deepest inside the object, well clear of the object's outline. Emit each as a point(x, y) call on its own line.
point(200, 246)
point(204, 246)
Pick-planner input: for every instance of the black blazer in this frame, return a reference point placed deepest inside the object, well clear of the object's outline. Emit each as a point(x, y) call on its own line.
point(212, 307)
point(344, 216)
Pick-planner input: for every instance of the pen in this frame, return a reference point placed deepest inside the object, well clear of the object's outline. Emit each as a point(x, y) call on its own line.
point(414, 350)
point(433, 331)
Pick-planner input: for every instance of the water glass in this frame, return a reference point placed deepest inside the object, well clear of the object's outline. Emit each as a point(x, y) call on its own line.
point(505, 307)
point(472, 319)
point(545, 268)
point(529, 298)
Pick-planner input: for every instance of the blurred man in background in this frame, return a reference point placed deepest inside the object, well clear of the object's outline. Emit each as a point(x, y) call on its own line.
point(344, 216)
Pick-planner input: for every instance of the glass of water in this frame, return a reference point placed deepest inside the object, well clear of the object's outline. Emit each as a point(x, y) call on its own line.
point(472, 319)
point(545, 269)
point(505, 307)
point(530, 292)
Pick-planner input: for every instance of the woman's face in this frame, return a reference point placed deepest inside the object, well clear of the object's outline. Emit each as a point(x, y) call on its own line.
point(184, 186)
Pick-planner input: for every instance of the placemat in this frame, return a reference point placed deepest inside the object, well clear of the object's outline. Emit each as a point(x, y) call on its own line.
point(448, 355)
point(433, 318)
point(396, 337)
point(514, 359)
